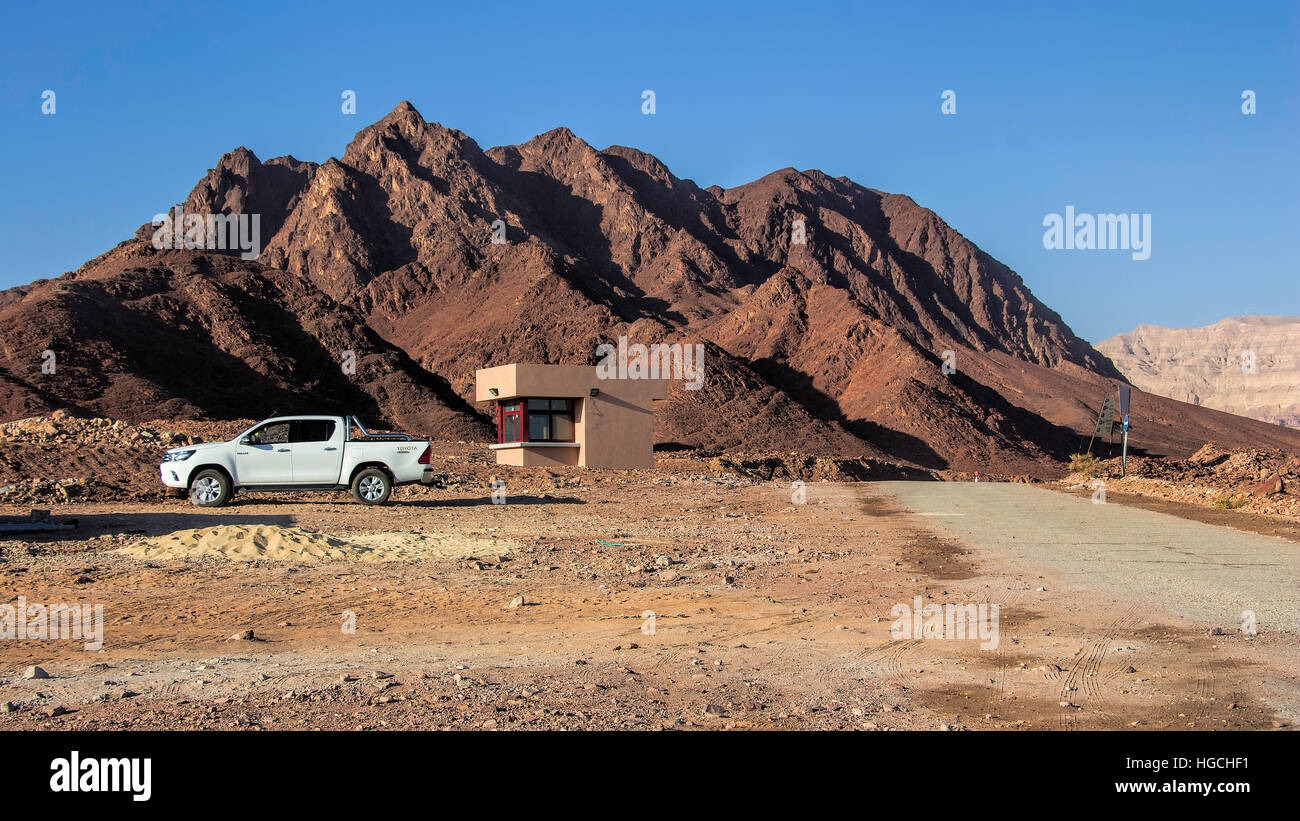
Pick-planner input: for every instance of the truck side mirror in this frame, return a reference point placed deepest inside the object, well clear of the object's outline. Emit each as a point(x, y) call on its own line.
point(245, 440)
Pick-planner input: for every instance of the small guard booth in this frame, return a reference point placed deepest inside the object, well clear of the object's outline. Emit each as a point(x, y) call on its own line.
point(564, 415)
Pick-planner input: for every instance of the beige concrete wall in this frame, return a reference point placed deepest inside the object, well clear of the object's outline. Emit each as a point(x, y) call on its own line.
point(537, 457)
point(615, 428)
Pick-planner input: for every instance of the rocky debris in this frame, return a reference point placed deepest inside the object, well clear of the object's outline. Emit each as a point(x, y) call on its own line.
point(62, 427)
point(64, 457)
point(1269, 486)
point(804, 467)
point(35, 672)
point(244, 635)
point(1256, 480)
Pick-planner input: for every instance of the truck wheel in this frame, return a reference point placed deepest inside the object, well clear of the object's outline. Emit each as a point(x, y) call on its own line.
point(209, 488)
point(372, 487)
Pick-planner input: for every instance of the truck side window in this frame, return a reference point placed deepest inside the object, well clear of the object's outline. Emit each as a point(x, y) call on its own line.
point(276, 433)
point(311, 430)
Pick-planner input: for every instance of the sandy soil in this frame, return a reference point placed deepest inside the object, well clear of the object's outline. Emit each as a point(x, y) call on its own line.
point(766, 614)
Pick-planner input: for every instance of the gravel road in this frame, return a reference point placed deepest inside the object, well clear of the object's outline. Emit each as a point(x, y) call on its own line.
point(1200, 571)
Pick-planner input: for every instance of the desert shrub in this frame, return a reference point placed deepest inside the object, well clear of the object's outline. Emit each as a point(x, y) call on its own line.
point(1230, 503)
point(1085, 463)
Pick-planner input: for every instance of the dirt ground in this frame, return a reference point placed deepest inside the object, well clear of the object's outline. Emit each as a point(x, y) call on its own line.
point(655, 600)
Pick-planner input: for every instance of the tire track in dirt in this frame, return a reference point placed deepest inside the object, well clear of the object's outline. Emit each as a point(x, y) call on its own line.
point(887, 661)
point(1082, 676)
point(1000, 660)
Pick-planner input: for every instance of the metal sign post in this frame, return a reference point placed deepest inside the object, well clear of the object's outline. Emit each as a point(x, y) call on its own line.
point(1124, 391)
point(1123, 454)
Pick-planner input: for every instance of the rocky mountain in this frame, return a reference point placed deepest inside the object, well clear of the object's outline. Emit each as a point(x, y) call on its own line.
point(828, 311)
point(141, 333)
point(1247, 365)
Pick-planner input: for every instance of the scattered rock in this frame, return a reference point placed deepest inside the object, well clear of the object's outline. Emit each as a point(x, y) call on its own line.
point(35, 671)
point(1269, 486)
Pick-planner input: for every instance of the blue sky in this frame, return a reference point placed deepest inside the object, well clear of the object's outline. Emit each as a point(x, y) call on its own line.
point(1109, 107)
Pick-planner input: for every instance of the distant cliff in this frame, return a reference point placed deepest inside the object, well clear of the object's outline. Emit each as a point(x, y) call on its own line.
point(1247, 365)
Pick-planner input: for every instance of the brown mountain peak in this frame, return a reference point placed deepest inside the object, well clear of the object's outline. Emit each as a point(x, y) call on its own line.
point(556, 143)
point(403, 131)
point(403, 111)
point(242, 184)
point(642, 161)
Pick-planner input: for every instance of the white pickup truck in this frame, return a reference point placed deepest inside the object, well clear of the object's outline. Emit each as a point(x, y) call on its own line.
point(299, 453)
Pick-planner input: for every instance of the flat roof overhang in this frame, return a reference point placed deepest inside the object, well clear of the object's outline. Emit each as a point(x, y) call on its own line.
point(522, 381)
point(540, 381)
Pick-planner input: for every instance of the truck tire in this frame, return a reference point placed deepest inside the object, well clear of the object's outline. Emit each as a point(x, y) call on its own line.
point(209, 488)
point(372, 487)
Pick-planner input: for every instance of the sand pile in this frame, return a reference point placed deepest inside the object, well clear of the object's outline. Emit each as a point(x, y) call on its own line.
point(274, 543)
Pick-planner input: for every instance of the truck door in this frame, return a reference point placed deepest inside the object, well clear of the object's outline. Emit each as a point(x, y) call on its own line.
point(317, 451)
point(264, 457)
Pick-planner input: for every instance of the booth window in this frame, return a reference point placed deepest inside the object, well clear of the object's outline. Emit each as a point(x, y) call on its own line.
point(550, 420)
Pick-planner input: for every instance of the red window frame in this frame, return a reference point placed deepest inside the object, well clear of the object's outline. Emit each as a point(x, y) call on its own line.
point(522, 413)
point(502, 413)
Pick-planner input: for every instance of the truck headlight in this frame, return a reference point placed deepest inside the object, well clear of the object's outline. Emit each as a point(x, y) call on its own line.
point(177, 456)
